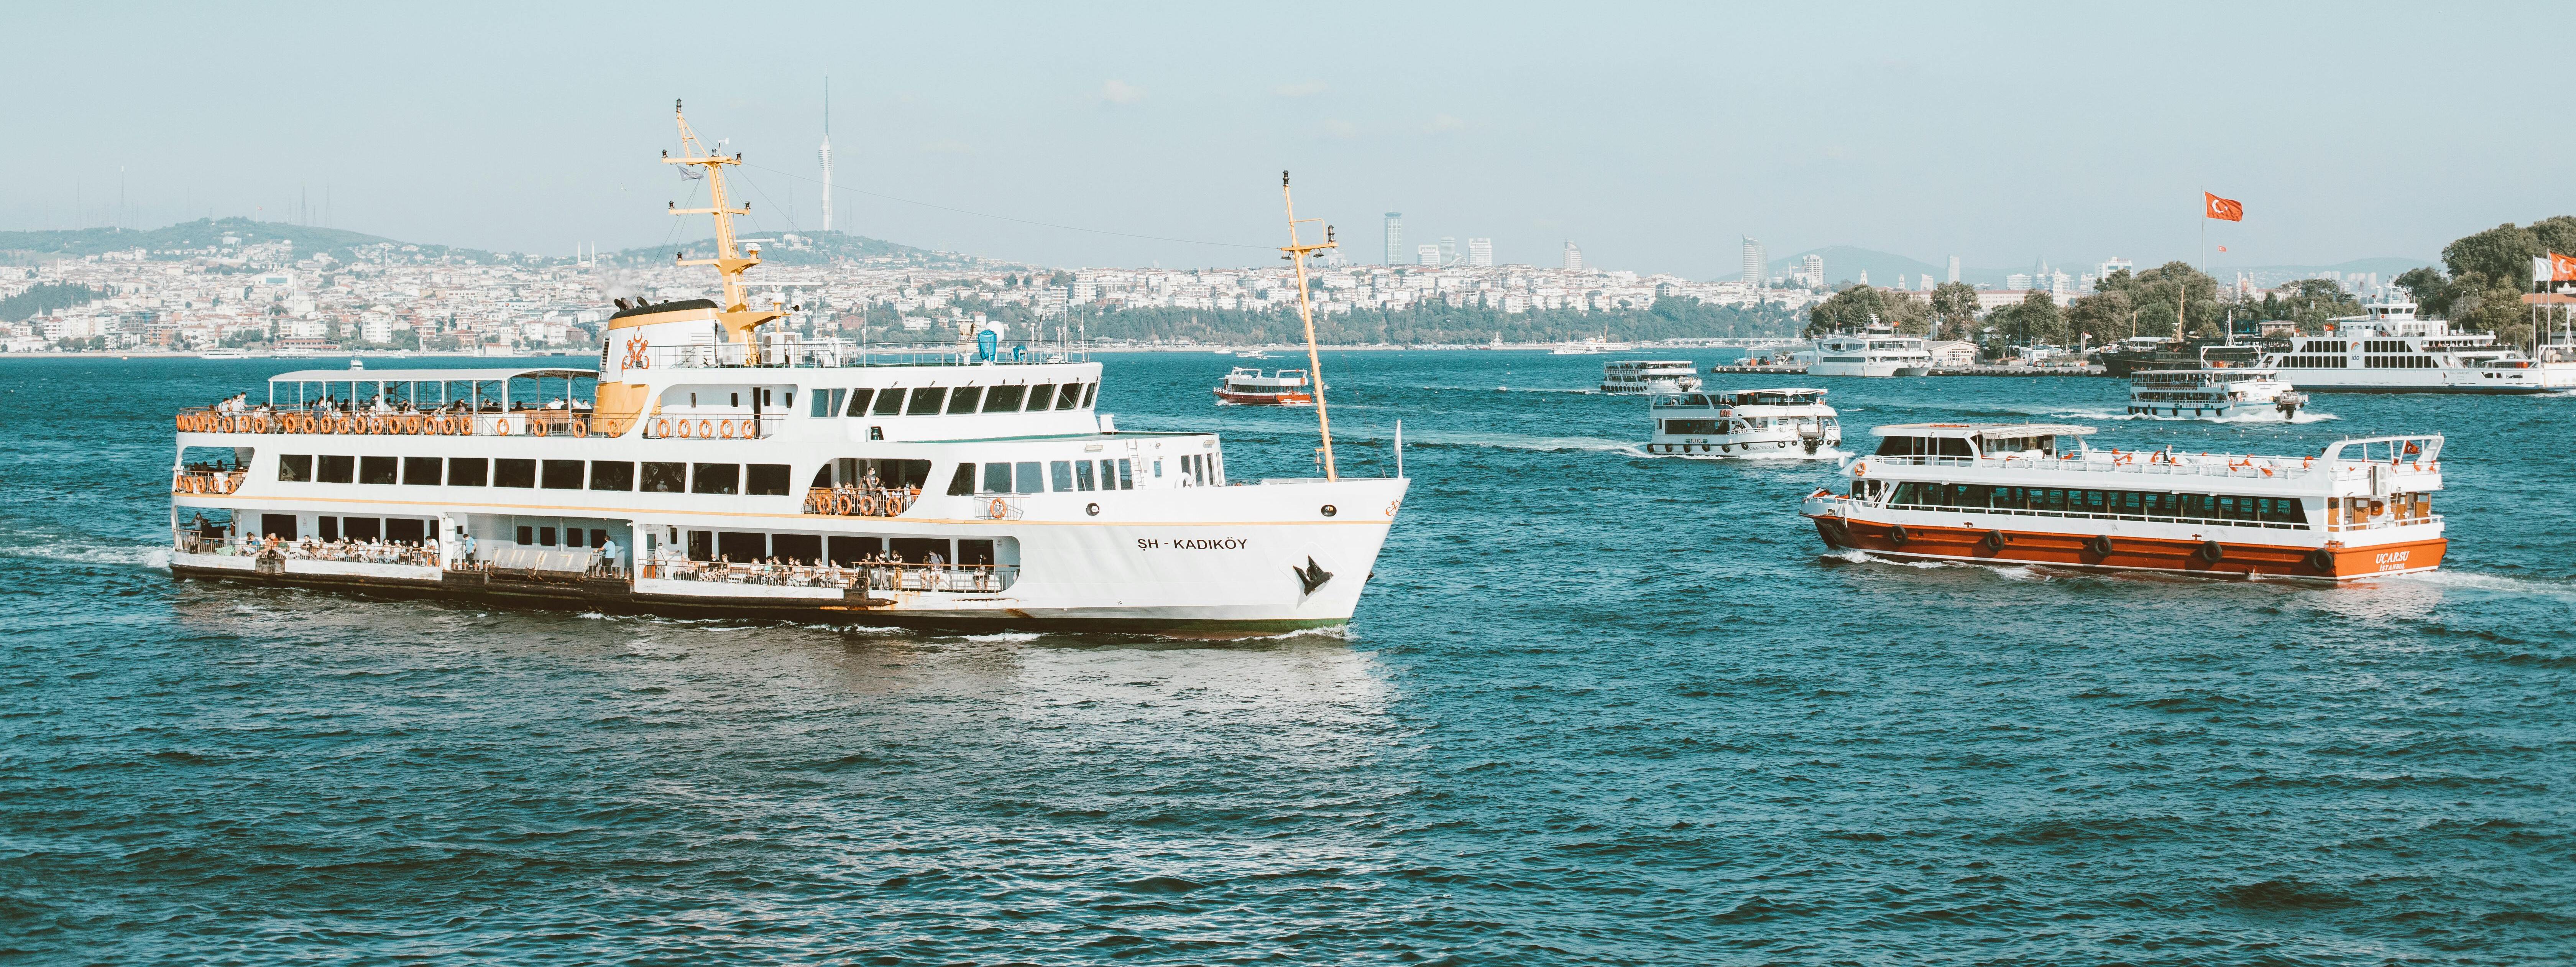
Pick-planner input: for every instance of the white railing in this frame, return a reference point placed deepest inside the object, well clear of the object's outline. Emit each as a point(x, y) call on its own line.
point(872, 576)
point(837, 353)
point(2159, 462)
point(495, 423)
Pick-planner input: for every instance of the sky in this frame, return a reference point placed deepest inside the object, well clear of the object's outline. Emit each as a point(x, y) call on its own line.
point(1653, 136)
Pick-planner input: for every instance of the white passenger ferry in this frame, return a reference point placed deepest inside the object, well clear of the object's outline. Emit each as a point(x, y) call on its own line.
point(1745, 422)
point(709, 467)
point(1649, 376)
point(1246, 386)
point(2218, 393)
point(2036, 494)
point(1878, 351)
point(2388, 349)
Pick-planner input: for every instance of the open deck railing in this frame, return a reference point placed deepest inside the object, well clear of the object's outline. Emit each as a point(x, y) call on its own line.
point(347, 551)
point(572, 423)
point(2159, 462)
point(860, 501)
point(838, 353)
point(206, 481)
point(879, 576)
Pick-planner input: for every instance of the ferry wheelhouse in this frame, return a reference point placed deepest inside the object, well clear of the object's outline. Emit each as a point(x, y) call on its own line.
point(709, 467)
point(1246, 386)
point(2036, 494)
point(1750, 422)
point(1878, 351)
point(2389, 349)
point(2216, 393)
point(1629, 376)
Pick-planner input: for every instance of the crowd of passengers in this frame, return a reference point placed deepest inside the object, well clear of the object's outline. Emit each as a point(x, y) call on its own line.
point(874, 571)
point(869, 495)
point(331, 406)
point(416, 553)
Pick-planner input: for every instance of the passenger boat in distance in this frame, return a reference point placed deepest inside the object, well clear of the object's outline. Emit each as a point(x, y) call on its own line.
point(1877, 351)
point(955, 485)
point(2217, 393)
point(2035, 493)
point(2389, 349)
point(1745, 422)
point(1246, 386)
point(1631, 376)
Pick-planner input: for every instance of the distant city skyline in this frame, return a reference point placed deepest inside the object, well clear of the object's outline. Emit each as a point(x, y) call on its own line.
point(1086, 138)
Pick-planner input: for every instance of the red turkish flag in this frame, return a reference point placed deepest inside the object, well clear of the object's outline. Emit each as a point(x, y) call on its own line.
point(2225, 209)
point(2561, 268)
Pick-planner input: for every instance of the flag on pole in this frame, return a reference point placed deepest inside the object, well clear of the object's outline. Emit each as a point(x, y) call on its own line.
point(2223, 209)
point(2562, 268)
point(2222, 248)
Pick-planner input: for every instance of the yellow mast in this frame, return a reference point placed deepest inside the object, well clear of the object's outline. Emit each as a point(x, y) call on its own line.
point(1306, 310)
point(738, 320)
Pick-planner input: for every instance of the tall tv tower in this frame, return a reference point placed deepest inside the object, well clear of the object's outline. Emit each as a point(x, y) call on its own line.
point(827, 154)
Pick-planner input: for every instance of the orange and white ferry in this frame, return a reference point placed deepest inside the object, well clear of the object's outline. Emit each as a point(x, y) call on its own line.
point(2035, 493)
point(1247, 387)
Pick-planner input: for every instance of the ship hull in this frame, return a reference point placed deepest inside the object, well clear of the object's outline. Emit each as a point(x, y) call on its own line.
point(1265, 399)
point(2128, 553)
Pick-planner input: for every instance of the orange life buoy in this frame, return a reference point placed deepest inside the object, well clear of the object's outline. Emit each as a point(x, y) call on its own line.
point(580, 427)
point(684, 432)
point(706, 428)
point(537, 427)
point(351, 424)
point(501, 427)
point(414, 423)
point(725, 427)
point(662, 427)
point(997, 509)
point(865, 505)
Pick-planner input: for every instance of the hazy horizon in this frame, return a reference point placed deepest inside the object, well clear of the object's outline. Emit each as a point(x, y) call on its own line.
point(1654, 138)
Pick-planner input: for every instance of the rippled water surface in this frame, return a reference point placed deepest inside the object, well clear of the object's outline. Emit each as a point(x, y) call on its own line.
point(1595, 707)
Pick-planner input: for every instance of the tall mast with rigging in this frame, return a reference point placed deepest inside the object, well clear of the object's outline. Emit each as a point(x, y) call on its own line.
point(1298, 253)
point(737, 318)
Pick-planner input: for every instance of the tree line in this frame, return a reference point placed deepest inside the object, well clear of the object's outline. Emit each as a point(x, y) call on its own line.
point(2162, 301)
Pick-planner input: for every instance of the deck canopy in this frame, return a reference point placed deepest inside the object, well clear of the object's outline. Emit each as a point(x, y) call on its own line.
point(1982, 430)
point(429, 386)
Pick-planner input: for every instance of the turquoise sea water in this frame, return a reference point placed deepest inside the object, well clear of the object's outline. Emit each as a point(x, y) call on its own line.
point(1596, 708)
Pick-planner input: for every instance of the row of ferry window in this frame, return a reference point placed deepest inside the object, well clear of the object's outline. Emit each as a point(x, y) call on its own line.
point(938, 400)
point(758, 479)
point(1804, 424)
point(2122, 503)
point(812, 549)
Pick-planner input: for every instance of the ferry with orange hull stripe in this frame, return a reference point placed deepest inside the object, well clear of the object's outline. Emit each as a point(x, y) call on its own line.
point(2036, 493)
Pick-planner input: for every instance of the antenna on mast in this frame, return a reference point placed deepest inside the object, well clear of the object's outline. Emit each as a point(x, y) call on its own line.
point(1298, 253)
point(737, 319)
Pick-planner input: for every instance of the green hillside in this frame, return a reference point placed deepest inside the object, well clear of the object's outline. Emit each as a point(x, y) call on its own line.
point(203, 233)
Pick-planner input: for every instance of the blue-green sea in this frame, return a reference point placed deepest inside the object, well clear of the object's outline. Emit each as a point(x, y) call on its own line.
point(1596, 708)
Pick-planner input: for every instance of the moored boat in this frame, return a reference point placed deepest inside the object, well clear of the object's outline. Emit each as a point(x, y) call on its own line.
point(1877, 351)
point(1748, 422)
point(1247, 386)
point(2390, 349)
point(2035, 493)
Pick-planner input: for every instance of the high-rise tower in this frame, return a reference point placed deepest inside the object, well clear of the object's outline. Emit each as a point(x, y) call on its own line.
point(1395, 238)
point(1757, 266)
point(827, 154)
point(1954, 268)
point(1573, 256)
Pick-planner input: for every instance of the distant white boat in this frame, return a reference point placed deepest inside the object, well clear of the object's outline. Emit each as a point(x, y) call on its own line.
point(1590, 347)
point(226, 352)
